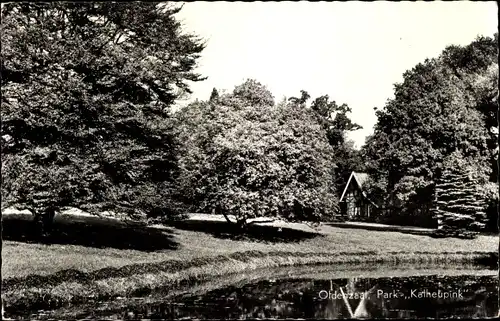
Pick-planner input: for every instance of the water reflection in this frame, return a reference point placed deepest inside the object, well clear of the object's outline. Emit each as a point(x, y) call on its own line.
point(401, 297)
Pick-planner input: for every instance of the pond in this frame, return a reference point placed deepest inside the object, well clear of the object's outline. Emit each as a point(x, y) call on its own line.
point(320, 294)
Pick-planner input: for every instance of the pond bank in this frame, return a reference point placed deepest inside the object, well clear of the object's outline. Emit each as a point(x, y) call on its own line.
point(86, 263)
point(74, 287)
point(119, 307)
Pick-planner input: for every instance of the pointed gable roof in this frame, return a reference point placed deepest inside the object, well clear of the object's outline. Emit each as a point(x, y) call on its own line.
point(359, 179)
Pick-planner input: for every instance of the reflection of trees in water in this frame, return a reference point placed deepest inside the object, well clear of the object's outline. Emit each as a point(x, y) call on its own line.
point(480, 297)
point(366, 305)
point(300, 299)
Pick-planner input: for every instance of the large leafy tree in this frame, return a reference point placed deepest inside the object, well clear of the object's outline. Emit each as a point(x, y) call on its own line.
point(444, 105)
point(336, 124)
point(86, 91)
point(246, 157)
point(335, 121)
point(476, 66)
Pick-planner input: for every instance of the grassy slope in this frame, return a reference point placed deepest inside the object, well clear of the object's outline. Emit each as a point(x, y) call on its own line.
point(77, 273)
point(21, 259)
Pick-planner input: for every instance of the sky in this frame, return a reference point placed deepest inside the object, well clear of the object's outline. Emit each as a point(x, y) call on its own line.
point(353, 51)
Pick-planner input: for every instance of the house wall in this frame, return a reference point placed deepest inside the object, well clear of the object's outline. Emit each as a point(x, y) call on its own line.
point(355, 206)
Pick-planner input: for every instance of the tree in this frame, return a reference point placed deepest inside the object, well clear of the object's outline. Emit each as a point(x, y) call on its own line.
point(347, 160)
point(459, 203)
point(336, 124)
point(333, 119)
point(304, 97)
point(214, 95)
point(86, 91)
point(246, 157)
point(444, 105)
point(476, 65)
point(254, 93)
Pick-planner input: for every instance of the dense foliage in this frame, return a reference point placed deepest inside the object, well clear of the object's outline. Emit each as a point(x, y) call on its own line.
point(335, 121)
point(86, 95)
point(445, 105)
point(245, 156)
point(459, 205)
point(86, 91)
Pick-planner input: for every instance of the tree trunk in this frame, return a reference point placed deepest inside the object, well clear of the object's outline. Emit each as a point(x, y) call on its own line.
point(44, 221)
point(227, 218)
point(438, 217)
point(242, 223)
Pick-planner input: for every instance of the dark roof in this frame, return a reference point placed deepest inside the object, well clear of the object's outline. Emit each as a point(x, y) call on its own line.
point(360, 179)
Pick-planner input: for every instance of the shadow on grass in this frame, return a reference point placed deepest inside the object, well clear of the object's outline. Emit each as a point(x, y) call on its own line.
point(118, 236)
point(254, 233)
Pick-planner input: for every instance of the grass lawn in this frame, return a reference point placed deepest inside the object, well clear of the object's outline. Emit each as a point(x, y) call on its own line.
point(43, 276)
point(21, 259)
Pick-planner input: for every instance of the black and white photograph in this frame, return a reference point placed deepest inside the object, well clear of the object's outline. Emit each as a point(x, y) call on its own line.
point(249, 160)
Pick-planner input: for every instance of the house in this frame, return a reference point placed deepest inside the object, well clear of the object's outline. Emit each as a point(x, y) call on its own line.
point(354, 203)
